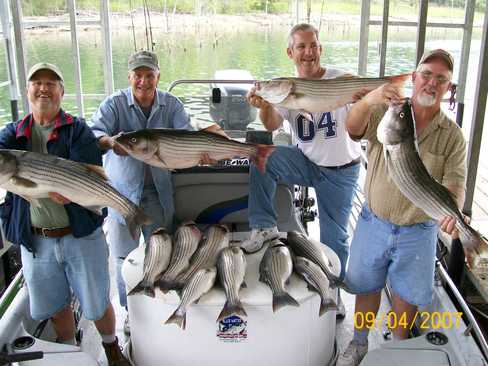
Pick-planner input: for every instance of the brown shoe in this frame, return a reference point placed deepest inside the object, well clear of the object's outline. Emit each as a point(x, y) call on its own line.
point(114, 354)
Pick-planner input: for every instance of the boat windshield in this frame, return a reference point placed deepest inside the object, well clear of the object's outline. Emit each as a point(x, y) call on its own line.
point(222, 103)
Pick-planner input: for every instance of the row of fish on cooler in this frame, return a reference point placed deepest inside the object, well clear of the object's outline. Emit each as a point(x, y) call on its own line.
point(191, 263)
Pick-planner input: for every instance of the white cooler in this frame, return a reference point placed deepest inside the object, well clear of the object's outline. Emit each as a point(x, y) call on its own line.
point(293, 336)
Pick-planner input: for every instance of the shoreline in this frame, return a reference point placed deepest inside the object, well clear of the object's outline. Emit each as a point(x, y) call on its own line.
point(189, 23)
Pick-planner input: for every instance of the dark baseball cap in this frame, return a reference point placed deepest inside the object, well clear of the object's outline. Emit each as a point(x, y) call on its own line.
point(44, 66)
point(438, 53)
point(143, 59)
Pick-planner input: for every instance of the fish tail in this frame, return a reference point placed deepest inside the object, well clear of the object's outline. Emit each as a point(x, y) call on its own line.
point(177, 318)
point(282, 299)
point(231, 309)
point(135, 220)
point(261, 156)
point(326, 305)
point(400, 79)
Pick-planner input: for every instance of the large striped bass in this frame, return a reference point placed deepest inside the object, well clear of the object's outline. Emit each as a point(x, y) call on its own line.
point(156, 259)
point(231, 268)
point(186, 241)
point(199, 284)
point(274, 270)
point(179, 149)
point(319, 95)
point(34, 175)
point(216, 239)
point(397, 133)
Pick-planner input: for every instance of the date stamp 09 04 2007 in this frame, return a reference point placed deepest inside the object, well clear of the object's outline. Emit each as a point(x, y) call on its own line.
point(424, 319)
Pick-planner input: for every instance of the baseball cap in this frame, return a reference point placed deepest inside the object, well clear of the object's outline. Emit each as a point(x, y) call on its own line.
point(438, 53)
point(143, 58)
point(44, 66)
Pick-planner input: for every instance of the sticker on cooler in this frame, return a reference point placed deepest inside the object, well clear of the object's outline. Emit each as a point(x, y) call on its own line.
point(232, 329)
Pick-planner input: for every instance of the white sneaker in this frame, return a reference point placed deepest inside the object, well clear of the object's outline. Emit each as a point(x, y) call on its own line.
point(257, 239)
point(353, 354)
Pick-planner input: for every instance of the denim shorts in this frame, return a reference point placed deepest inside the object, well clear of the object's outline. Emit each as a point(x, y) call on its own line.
point(62, 265)
point(404, 255)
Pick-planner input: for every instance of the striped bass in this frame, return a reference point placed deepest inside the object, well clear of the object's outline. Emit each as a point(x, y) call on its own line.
point(317, 281)
point(200, 283)
point(156, 259)
point(34, 175)
point(178, 149)
point(397, 133)
point(186, 241)
point(274, 270)
point(231, 268)
point(303, 247)
point(216, 239)
point(319, 95)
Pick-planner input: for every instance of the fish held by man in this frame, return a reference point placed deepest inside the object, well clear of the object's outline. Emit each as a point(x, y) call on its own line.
point(34, 175)
point(397, 133)
point(319, 95)
point(179, 149)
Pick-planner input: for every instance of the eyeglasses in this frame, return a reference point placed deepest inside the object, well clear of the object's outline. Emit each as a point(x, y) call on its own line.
point(428, 76)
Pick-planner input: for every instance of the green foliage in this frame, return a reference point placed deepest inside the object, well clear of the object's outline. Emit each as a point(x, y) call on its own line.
point(438, 8)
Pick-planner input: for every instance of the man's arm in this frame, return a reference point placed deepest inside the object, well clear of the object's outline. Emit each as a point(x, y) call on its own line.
point(360, 113)
point(269, 115)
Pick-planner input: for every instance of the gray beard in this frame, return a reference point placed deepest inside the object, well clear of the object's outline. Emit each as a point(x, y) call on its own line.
point(425, 100)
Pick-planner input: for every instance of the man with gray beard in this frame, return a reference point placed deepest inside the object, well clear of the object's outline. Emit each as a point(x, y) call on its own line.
point(394, 240)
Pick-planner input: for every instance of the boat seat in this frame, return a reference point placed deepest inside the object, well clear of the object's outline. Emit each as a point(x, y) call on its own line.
point(219, 195)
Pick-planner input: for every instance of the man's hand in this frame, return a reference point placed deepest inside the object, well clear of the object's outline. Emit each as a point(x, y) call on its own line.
point(448, 225)
point(108, 142)
point(59, 199)
point(256, 100)
point(205, 159)
point(386, 93)
point(360, 94)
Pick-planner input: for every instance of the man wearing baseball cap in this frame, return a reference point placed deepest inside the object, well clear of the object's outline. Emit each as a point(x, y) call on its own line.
point(394, 240)
point(140, 106)
point(55, 228)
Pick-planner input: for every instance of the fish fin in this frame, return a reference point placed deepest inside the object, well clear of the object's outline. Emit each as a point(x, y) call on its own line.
point(243, 284)
point(260, 157)
point(98, 170)
point(164, 285)
point(137, 289)
point(283, 299)
point(149, 291)
point(178, 319)
point(398, 78)
point(135, 220)
point(234, 309)
point(23, 182)
point(346, 76)
point(325, 305)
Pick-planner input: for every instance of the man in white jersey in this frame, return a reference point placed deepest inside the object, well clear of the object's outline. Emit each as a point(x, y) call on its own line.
point(325, 157)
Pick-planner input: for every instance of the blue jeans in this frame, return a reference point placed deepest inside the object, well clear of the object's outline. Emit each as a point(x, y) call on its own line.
point(121, 242)
point(62, 264)
point(404, 255)
point(334, 189)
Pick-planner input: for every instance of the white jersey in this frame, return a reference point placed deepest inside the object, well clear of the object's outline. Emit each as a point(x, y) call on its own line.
point(325, 140)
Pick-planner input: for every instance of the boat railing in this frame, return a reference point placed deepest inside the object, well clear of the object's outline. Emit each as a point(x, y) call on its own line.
point(207, 81)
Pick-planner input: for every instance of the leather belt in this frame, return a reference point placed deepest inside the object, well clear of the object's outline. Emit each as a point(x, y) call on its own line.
point(354, 162)
point(51, 233)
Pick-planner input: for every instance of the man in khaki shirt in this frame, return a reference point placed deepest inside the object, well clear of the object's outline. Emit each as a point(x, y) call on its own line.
point(394, 240)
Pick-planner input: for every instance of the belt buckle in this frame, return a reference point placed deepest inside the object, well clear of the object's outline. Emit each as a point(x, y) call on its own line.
point(44, 231)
